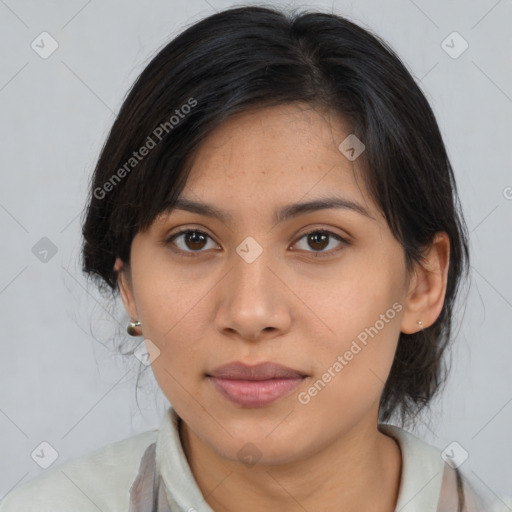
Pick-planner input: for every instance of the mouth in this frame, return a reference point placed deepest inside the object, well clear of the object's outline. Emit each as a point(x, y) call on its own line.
point(255, 386)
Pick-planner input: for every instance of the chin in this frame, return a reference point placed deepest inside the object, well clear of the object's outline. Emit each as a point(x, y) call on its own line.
point(268, 442)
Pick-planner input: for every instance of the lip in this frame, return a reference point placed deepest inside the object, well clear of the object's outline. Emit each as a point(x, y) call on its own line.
point(255, 386)
point(261, 371)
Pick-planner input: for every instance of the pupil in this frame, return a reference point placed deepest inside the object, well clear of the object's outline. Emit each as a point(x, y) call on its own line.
point(195, 238)
point(314, 238)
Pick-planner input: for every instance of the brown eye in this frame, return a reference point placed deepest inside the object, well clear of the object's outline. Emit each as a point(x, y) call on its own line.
point(318, 240)
point(195, 239)
point(191, 240)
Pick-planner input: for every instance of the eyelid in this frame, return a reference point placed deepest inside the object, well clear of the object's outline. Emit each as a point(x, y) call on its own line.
point(329, 230)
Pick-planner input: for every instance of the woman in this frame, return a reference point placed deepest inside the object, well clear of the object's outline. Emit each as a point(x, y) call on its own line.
point(276, 208)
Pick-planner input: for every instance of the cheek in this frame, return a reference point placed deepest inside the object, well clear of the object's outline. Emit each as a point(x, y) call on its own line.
point(173, 317)
point(361, 306)
point(351, 370)
point(361, 317)
point(179, 368)
point(168, 300)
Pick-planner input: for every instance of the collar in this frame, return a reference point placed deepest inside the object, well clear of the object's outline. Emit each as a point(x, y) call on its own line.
point(422, 471)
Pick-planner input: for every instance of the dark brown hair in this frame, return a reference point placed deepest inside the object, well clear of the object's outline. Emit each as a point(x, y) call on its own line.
point(250, 57)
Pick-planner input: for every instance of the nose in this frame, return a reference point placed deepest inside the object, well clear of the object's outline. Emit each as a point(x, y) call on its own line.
point(253, 300)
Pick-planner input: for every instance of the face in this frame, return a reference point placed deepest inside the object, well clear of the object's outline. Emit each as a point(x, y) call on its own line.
point(250, 287)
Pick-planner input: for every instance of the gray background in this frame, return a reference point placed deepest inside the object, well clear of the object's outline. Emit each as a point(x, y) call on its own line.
point(61, 383)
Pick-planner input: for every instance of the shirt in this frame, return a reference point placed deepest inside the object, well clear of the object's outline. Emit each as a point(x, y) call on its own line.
point(149, 472)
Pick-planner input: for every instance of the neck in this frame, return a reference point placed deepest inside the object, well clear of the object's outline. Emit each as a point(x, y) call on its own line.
point(360, 471)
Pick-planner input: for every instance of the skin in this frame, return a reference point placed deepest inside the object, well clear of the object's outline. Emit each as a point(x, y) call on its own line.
point(287, 306)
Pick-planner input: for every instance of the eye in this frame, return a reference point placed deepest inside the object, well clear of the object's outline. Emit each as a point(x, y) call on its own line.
point(193, 240)
point(318, 239)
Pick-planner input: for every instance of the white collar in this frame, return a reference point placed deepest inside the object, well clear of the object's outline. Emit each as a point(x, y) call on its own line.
point(422, 472)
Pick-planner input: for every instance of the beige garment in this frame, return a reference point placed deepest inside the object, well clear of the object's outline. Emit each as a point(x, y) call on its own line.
point(151, 471)
point(452, 499)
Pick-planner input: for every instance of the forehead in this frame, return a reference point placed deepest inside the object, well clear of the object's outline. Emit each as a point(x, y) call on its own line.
point(273, 165)
point(281, 153)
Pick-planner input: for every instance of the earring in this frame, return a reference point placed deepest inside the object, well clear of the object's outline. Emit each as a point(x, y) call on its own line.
point(131, 329)
point(420, 323)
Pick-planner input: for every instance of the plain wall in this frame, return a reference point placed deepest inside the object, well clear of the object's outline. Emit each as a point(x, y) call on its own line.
point(62, 383)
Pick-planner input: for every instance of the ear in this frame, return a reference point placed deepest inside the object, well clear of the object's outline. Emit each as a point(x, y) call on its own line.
point(124, 283)
point(427, 287)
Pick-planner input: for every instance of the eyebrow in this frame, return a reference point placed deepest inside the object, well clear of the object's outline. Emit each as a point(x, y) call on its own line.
point(281, 215)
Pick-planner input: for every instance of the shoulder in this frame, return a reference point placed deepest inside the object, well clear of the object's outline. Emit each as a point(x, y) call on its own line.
point(100, 480)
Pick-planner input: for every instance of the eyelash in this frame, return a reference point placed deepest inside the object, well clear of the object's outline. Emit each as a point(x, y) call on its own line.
point(318, 254)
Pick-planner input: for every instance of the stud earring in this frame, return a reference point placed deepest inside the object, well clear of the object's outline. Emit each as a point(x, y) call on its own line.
point(420, 323)
point(132, 328)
